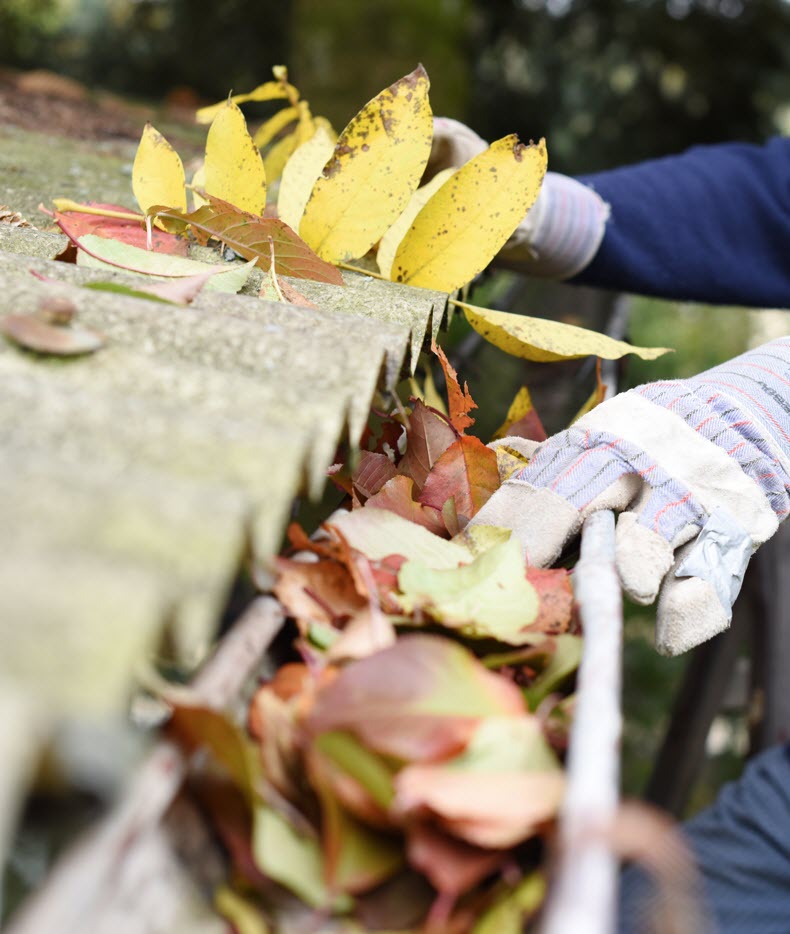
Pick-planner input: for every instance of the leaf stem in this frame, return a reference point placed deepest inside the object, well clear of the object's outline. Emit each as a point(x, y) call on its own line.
point(364, 272)
point(64, 204)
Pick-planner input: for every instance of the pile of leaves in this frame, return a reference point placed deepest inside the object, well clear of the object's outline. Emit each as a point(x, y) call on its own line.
point(402, 772)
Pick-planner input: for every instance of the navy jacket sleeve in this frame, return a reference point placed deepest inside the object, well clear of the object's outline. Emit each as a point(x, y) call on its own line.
point(710, 225)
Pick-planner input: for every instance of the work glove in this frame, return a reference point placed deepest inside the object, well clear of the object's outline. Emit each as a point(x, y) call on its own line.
point(562, 230)
point(699, 470)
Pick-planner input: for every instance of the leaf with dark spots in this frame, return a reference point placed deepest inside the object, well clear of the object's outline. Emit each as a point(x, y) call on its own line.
point(466, 473)
point(428, 435)
point(32, 333)
point(397, 496)
point(419, 700)
point(460, 401)
point(252, 237)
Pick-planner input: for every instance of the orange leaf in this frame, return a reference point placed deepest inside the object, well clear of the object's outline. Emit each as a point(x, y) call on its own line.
point(556, 599)
point(459, 400)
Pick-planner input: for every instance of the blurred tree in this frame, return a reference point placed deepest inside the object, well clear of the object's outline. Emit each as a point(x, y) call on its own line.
point(614, 81)
point(344, 53)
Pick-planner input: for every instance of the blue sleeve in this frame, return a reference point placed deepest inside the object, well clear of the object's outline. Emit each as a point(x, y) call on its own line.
point(710, 225)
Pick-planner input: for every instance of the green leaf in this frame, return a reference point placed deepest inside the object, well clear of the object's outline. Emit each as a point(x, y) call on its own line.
point(489, 598)
point(564, 661)
point(112, 254)
point(508, 913)
point(346, 752)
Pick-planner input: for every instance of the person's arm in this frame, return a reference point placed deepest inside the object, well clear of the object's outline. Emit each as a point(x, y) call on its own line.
point(710, 225)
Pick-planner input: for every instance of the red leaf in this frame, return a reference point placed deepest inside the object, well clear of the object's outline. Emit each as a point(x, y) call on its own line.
point(466, 473)
point(251, 237)
point(127, 231)
point(452, 866)
point(556, 599)
point(529, 426)
point(396, 496)
point(460, 402)
point(373, 472)
point(419, 700)
point(428, 435)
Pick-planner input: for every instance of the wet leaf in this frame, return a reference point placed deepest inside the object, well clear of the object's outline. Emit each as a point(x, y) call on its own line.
point(391, 240)
point(376, 167)
point(377, 533)
point(300, 174)
point(110, 254)
point(489, 598)
point(469, 219)
point(32, 333)
point(521, 421)
point(419, 700)
point(125, 230)
point(563, 662)
point(466, 473)
point(157, 173)
point(546, 341)
point(428, 435)
point(233, 168)
point(460, 401)
point(251, 237)
point(397, 496)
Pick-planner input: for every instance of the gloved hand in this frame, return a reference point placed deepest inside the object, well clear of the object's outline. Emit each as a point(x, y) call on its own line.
point(562, 230)
point(699, 470)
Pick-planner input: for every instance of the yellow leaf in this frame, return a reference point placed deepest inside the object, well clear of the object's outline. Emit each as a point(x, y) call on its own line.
point(468, 220)
point(199, 182)
point(322, 122)
point(376, 167)
point(596, 397)
point(520, 407)
point(428, 392)
point(546, 341)
point(157, 173)
point(300, 174)
point(392, 238)
point(508, 461)
point(275, 159)
point(233, 167)
point(269, 91)
point(274, 125)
